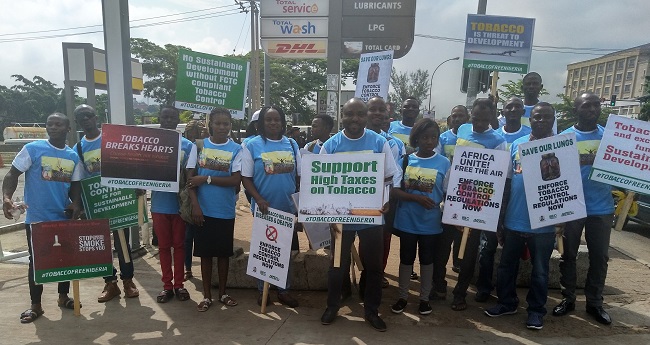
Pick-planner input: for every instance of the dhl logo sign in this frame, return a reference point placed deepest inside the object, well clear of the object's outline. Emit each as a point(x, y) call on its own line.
point(316, 49)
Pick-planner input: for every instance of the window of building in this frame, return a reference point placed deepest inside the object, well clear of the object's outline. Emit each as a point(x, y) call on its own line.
point(627, 88)
point(592, 69)
point(574, 85)
point(591, 81)
point(582, 83)
point(617, 89)
point(620, 64)
point(599, 80)
point(606, 92)
point(610, 66)
point(583, 71)
point(631, 61)
point(608, 79)
point(619, 76)
point(598, 92)
point(629, 75)
point(601, 68)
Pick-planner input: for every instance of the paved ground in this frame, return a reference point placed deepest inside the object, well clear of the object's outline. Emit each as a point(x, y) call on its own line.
point(143, 321)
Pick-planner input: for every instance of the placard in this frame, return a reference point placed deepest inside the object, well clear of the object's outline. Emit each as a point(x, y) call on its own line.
point(140, 157)
point(318, 234)
point(623, 157)
point(373, 78)
point(71, 250)
point(342, 188)
point(551, 171)
point(270, 250)
point(118, 205)
point(475, 192)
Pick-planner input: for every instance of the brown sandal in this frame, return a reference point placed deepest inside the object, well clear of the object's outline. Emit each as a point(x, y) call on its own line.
point(30, 315)
point(165, 296)
point(182, 294)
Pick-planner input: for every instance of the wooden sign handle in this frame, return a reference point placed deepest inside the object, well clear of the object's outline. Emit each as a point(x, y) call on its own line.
point(265, 297)
point(338, 239)
point(75, 296)
point(560, 243)
point(463, 243)
point(124, 245)
point(355, 257)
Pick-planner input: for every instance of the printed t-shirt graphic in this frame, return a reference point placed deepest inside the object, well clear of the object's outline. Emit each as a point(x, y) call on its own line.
point(278, 162)
point(56, 169)
point(215, 159)
point(420, 179)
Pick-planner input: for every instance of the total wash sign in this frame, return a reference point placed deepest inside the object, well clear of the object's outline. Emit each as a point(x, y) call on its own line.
point(287, 27)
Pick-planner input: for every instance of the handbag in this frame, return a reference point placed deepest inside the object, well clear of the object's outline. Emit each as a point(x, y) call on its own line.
point(389, 218)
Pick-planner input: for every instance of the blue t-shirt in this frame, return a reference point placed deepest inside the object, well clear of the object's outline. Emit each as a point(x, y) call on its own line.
point(91, 151)
point(369, 142)
point(314, 146)
point(396, 146)
point(517, 217)
point(167, 202)
point(272, 165)
point(598, 196)
point(219, 160)
point(489, 139)
point(511, 137)
point(423, 176)
point(447, 144)
point(398, 130)
point(48, 173)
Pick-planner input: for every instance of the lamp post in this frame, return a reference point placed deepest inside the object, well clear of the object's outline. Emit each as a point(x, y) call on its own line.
point(434, 73)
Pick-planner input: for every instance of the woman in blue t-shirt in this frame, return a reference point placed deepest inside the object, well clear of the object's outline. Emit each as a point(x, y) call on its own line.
point(269, 173)
point(213, 192)
point(418, 216)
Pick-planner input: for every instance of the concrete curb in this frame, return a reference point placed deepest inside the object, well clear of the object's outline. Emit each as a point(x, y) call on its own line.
point(11, 228)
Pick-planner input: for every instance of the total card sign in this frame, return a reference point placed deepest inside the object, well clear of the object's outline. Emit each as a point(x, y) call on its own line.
point(342, 188)
point(623, 157)
point(373, 78)
point(271, 246)
point(476, 182)
point(551, 171)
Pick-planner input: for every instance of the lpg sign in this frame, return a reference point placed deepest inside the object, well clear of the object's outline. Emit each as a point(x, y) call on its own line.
point(294, 8)
point(292, 48)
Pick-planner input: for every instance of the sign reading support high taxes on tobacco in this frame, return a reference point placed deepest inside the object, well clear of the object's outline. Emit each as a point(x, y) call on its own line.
point(71, 250)
point(551, 171)
point(623, 157)
point(498, 43)
point(342, 188)
point(118, 205)
point(206, 81)
point(476, 182)
point(271, 246)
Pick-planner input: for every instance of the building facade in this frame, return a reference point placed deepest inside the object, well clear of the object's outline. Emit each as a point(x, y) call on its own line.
point(620, 73)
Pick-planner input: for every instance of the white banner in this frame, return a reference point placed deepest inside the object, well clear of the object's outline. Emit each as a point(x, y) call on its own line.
point(373, 78)
point(623, 157)
point(475, 191)
point(270, 250)
point(551, 171)
point(286, 8)
point(342, 188)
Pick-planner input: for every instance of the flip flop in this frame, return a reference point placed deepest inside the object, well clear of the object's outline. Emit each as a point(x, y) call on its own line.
point(204, 305)
point(29, 315)
point(182, 294)
point(227, 300)
point(165, 296)
point(67, 304)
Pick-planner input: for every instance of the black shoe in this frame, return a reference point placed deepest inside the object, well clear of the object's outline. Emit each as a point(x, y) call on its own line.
point(376, 322)
point(328, 316)
point(425, 308)
point(599, 314)
point(564, 308)
point(481, 296)
point(399, 306)
point(414, 276)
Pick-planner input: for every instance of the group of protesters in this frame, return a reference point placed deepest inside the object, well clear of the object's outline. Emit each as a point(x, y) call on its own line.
point(216, 168)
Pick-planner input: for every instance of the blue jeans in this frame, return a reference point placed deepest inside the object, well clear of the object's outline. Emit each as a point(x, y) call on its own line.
point(597, 232)
point(487, 249)
point(541, 248)
point(126, 269)
point(189, 241)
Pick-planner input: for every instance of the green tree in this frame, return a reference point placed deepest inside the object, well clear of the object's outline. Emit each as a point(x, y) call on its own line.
point(514, 88)
point(407, 84)
point(566, 116)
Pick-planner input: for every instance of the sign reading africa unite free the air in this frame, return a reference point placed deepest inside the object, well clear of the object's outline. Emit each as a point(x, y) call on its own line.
point(206, 81)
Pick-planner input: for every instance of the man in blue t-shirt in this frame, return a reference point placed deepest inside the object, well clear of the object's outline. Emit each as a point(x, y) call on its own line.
point(321, 127)
point(355, 137)
point(89, 151)
point(512, 130)
point(402, 129)
point(52, 177)
point(598, 223)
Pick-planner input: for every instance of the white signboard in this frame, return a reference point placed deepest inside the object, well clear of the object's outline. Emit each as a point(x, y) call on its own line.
point(551, 172)
point(293, 27)
point(623, 157)
point(318, 234)
point(342, 188)
point(294, 8)
point(373, 78)
point(296, 48)
point(475, 191)
point(271, 246)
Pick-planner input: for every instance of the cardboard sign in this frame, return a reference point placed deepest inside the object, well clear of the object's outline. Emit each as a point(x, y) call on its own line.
point(70, 250)
point(374, 75)
point(476, 181)
point(342, 188)
point(623, 157)
point(318, 234)
point(270, 251)
point(551, 171)
point(118, 205)
point(140, 157)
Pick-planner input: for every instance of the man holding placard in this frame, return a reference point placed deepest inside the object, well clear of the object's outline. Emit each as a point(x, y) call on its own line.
point(355, 138)
point(518, 233)
point(598, 223)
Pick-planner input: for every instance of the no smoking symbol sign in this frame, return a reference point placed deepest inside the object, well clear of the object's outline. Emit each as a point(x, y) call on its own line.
point(272, 233)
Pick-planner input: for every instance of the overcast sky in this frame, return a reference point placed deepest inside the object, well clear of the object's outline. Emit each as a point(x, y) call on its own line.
point(601, 24)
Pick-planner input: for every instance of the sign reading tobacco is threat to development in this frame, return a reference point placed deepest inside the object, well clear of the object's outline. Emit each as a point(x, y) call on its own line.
point(551, 172)
point(118, 205)
point(342, 188)
point(475, 191)
point(623, 157)
point(206, 81)
point(140, 157)
point(71, 250)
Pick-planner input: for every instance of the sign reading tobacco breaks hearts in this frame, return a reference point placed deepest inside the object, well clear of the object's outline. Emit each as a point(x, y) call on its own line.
point(476, 182)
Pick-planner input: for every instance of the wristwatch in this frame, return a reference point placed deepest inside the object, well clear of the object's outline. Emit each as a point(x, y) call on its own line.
point(209, 180)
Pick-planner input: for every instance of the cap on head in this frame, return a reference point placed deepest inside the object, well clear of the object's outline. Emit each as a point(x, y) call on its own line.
point(255, 117)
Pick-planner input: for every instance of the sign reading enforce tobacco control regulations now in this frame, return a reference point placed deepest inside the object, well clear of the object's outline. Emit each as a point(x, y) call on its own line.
point(551, 171)
point(342, 188)
point(206, 81)
point(475, 191)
